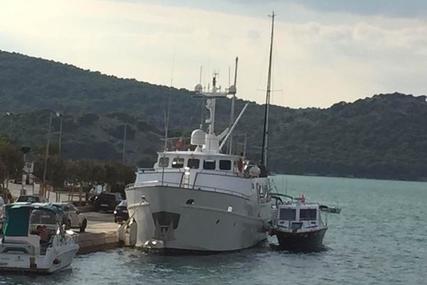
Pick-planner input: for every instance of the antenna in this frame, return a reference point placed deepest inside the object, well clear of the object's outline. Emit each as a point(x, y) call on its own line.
point(229, 77)
point(202, 109)
point(233, 99)
point(165, 147)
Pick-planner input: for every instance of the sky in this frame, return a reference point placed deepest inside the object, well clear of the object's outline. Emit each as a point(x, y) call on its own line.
point(325, 51)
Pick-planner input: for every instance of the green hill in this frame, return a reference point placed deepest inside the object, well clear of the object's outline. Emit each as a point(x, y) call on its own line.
point(384, 136)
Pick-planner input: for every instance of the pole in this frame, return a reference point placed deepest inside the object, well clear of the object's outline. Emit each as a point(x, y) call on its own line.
point(10, 130)
point(264, 154)
point(60, 136)
point(46, 156)
point(24, 177)
point(124, 145)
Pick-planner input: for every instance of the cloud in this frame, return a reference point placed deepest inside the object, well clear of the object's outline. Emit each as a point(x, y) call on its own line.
point(398, 8)
point(319, 58)
point(387, 8)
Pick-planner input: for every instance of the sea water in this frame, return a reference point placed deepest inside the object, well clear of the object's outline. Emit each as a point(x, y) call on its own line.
point(380, 237)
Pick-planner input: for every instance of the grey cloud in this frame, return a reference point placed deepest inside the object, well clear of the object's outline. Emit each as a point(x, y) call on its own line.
point(393, 8)
point(401, 8)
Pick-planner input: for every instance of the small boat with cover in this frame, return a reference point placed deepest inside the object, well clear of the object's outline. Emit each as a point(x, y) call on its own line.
point(35, 240)
point(297, 224)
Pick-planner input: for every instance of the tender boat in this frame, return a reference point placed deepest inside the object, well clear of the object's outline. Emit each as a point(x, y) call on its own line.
point(297, 224)
point(34, 239)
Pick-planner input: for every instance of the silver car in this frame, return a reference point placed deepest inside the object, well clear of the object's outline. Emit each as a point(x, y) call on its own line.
point(72, 216)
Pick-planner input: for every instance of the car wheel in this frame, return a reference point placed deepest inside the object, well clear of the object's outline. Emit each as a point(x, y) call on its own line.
point(83, 226)
point(68, 225)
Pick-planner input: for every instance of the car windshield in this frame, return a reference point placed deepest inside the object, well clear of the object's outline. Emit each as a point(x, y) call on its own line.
point(31, 199)
point(111, 196)
point(42, 217)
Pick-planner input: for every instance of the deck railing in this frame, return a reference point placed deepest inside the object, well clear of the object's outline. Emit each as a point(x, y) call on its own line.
point(160, 178)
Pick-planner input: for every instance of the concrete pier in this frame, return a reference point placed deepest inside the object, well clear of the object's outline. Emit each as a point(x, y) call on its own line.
point(101, 233)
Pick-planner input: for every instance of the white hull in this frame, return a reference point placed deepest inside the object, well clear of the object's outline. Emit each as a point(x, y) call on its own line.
point(54, 260)
point(196, 220)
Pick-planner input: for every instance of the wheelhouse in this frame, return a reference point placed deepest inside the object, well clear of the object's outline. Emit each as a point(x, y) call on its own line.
point(198, 161)
point(298, 215)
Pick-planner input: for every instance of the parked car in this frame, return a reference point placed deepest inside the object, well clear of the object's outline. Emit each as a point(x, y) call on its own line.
point(30, 199)
point(107, 201)
point(121, 212)
point(95, 192)
point(72, 216)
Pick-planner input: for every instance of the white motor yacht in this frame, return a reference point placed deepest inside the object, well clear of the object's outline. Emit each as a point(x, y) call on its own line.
point(200, 199)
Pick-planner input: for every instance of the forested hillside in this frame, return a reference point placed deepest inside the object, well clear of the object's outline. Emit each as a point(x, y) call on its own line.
point(384, 136)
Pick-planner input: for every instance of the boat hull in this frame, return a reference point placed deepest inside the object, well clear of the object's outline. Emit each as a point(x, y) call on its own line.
point(52, 261)
point(179, 219)
point(300, 240)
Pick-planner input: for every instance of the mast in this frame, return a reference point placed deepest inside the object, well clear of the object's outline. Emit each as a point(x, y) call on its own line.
point(264, 154)
point(233, 99)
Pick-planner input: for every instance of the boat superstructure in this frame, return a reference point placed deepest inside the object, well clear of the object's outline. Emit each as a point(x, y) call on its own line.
point(34, 239)
point(200, 199)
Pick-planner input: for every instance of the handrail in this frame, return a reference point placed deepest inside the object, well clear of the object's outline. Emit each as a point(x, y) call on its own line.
point(221, 190)
point(199, 187)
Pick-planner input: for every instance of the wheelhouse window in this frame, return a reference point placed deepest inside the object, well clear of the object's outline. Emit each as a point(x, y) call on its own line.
point(209, 164)
point(193, 163)
point(288, 214)
point(307, 214)
point(225, 164)
point(178, 162)
point(163, 161)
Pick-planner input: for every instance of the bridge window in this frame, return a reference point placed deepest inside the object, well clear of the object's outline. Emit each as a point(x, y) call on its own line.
point(193, 163)
point(307, 214)
point(163, 161)
point(178, 162)
point(209, 164)
point(287, 214)
point(225, 164)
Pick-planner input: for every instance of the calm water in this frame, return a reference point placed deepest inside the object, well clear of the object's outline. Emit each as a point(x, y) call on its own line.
point(380, 237)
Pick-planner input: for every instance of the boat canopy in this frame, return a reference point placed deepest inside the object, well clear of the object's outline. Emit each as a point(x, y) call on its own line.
point(19, 218)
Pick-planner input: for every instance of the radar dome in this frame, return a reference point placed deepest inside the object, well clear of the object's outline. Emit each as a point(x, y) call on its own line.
point(198, 137)
point(198, 88)
point(232, 89)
